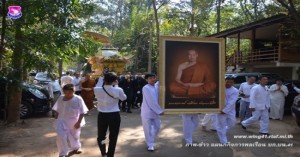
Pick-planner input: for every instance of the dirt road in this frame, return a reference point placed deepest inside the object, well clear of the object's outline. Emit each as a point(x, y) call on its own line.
point(36, 138)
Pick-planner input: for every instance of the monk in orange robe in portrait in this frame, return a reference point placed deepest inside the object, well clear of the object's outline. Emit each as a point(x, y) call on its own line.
point(87, 91)
point(193, 80)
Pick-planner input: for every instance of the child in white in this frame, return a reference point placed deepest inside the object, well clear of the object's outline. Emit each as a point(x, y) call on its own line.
point(150, 111)
point(70, 110)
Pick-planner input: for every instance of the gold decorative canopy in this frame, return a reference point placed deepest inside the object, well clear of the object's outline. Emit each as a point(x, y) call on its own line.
point(108, 59)
point(97, 37)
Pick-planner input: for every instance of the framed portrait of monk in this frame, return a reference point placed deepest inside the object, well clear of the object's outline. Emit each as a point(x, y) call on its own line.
point(191, 74)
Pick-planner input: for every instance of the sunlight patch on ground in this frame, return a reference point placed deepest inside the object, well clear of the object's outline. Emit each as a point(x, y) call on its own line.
point(169, 132)
point(132, 133)
point(49, 135)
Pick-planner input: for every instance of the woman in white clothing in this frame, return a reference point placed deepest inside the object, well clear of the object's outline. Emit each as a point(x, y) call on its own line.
point(278, 92)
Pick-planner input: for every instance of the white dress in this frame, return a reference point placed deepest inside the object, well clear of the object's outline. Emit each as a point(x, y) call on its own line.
point(277, 101)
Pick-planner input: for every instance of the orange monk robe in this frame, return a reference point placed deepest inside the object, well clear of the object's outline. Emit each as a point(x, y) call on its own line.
point(198, 73)
point(88, 96)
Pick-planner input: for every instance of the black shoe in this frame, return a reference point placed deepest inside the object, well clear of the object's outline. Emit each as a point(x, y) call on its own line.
point(129, 112)
point(264, 133)
point(243, 127)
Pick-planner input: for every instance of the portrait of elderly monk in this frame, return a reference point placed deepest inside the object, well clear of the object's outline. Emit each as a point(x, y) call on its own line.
point(193, 79)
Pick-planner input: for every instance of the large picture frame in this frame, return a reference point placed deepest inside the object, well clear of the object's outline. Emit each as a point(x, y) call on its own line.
point(191, 74)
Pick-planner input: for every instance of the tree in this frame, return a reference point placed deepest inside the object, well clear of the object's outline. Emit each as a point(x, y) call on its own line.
point(42, 38)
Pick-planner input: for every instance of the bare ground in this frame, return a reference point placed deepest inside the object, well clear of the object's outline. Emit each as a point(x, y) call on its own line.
point(36, 138)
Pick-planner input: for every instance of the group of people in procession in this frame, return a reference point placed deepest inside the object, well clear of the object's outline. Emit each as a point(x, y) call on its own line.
point(120, 93)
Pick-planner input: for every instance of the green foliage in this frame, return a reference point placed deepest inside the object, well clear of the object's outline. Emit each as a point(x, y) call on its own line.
point(51, 32)
point(52, 28)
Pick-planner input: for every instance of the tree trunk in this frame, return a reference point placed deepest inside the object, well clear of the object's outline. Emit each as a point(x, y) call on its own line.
point(150, 49)
point(15, 87)
point(218, 16)
point(2, 32)
point(192, 29)
point(290, 6)
point(156, 23)
point(60, 67)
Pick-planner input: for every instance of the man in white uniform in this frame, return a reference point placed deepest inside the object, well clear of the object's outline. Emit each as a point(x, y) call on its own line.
point(67, 79)
point(295, 88)
point(278, 92)
point(259, 105)
point(209, 117)
point(226, 119)
point(150, 111)
point(54, 90)
point(190, 123)
point(70, 110)
point(76, 81)
point(245, 89)
point(100, 82)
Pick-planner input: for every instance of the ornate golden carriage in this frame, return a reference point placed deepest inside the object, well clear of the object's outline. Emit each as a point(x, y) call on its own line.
point(107, 58)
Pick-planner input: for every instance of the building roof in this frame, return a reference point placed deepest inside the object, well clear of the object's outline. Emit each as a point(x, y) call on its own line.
point(264, 29)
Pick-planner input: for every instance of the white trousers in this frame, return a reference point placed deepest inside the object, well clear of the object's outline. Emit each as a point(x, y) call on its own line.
point(224, 123)
point(209, 117)
point(263, 115)
point(63, 136)
point(190, 123)
point(151, 128)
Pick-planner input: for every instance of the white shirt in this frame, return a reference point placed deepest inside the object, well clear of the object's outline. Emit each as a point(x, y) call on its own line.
point(231, 95)
point(76, 81)
point(69, 111)
point(105, 102)
point(65, 80)
point(259, 98)
point(150, 105)
point(246, 88)
point(297, 89)
point(100, 82)
point(274, 94)
point(53, 86)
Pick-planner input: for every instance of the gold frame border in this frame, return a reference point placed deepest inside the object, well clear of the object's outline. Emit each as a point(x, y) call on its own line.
point(162, 68)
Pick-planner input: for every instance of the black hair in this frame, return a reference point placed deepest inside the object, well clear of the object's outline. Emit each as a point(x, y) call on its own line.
point(110, 77)
point(279, 79)
point(262, 77)
point(149, 75)
point(68, 87)
point(251, 76)
point(67, 73)
point(229, 78)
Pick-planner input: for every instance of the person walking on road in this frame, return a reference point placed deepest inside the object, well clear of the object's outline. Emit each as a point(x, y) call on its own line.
point(109, 118)
point(259, 105)
point(151, 111)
